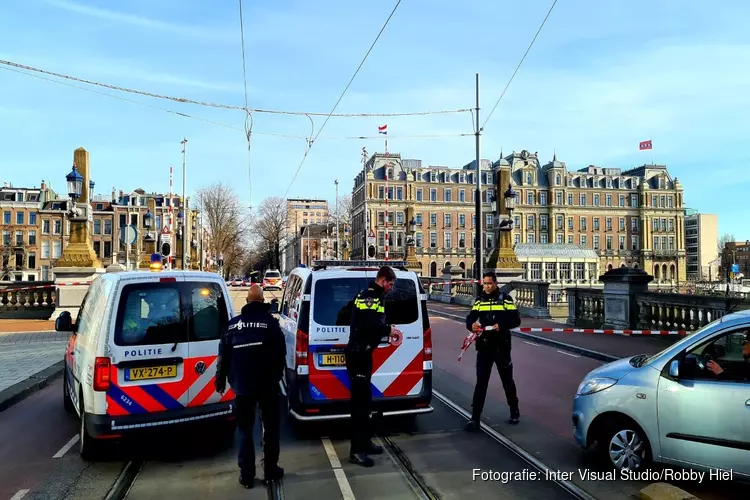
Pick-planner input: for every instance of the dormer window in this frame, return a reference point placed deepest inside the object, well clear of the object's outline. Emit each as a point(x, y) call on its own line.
point(661, 183)
point(570, 182)
point(462, 178)
point(609, 183)
point(433, 177)
point(390, 173)
point(529, 178)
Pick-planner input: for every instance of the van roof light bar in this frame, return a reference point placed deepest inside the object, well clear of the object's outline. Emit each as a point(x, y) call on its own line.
point(324, 264)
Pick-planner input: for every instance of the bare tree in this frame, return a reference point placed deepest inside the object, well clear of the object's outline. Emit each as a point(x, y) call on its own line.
point(725, 238)
point(342, 214)
point(269, 227)
point(226, 223)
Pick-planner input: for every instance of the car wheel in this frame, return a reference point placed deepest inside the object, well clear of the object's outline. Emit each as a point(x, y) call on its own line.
point(90, 449)
point(67, 402)
point(624, 446)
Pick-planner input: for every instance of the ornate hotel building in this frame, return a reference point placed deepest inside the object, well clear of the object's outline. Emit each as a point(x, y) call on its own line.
point(630, 218)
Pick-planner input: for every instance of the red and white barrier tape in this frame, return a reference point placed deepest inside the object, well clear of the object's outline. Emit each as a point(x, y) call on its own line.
point(680, 333)
point(455, 282)
point(39, 287)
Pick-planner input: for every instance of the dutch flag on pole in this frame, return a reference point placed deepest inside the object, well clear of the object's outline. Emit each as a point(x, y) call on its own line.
point(383, 129)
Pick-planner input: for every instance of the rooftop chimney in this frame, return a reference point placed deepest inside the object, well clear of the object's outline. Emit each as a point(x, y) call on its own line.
point(44, 185)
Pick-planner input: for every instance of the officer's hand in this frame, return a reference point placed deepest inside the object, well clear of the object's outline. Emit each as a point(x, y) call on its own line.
point(476, 328)
point(220, 387)
point(495, 326)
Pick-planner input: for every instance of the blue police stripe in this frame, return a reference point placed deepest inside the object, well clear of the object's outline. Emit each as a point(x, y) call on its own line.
point(343, 377)
point(161, 396)
point(375, 391)
point(124, 400)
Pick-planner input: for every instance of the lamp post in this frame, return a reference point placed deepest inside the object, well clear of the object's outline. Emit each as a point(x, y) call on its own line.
point(503, 256)
point(338, 247)
point(181, 233)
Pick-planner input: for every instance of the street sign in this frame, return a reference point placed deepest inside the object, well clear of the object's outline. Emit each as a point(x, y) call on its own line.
point(166, 229)
point(735, 268)
point(128, 234)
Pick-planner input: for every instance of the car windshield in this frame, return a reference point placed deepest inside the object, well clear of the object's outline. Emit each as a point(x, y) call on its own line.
point(645, 359)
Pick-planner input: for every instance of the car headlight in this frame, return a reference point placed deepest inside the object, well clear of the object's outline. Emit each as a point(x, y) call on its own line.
point(593, 385)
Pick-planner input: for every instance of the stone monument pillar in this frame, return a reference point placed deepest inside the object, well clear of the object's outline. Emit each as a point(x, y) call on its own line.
point(411, 245)
point(620, 288)
point(503, 259)
point(78, 263)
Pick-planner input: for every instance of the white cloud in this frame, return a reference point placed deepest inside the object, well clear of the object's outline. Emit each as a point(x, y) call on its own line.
point(145, 22)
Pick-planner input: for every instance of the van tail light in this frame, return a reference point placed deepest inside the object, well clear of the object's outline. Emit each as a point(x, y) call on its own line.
point(301, 348)
point(428, 344)
point(102, 367)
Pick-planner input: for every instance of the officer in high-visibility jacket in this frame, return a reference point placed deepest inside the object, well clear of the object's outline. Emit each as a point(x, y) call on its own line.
point(492, 317)
point(368, 330)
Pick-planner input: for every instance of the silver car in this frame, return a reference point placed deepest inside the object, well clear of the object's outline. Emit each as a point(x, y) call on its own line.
point(687, 406)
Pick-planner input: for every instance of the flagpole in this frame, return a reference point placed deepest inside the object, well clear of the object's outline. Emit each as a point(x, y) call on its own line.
point(366, 218)
point(387, 236)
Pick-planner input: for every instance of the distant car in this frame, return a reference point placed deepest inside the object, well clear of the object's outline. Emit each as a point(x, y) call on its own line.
point(669, 407)
point(272, 280)
point(283, 281)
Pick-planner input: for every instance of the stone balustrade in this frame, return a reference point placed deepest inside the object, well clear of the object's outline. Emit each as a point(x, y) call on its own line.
point(24, 303)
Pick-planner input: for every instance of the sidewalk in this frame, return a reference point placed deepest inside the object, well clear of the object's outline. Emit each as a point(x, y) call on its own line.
point(618, 346)
point(26, 325)
point(30, 359)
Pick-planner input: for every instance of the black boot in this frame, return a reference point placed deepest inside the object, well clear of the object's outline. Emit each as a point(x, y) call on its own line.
point(515, 415)
point(473, 425)
point(374, 449)
point(247, 480)
point(273, 474)
point(361, 459)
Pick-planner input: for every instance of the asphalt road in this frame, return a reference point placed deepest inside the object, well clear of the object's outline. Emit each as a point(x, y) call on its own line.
point(546, 379)
point(190, 464)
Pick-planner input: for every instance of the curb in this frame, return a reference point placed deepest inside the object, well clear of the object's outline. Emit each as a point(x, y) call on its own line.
point(26, 331)
point(664, 491)
point(22, 390)
point(607, 358)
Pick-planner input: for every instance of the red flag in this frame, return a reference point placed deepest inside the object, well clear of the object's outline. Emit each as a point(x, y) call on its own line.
point(645, 145)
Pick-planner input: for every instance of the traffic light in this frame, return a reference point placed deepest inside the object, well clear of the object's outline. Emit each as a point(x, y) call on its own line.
point(371, 251)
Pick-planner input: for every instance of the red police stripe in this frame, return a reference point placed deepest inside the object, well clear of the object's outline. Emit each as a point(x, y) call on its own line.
point(114, 409)
point(205, 393)
point(327, 383)
point(407, 379)
point(228, 396)
point(380, 356)
point(143, 398)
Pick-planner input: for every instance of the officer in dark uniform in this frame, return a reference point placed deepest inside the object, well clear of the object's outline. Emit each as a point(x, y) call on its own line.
point(493, 316)
point(368, 329)
point(252, 355)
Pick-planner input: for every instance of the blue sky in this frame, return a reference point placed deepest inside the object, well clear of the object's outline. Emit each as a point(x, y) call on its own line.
point(601, 77)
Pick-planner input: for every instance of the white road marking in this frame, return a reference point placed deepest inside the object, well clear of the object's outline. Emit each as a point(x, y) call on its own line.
point(568, 354)
point(19, 495)
point(531, 343)
point(346, 489)
point(67, 447)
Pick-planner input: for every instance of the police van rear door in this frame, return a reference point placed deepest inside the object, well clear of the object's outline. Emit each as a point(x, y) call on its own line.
point(208, 310)
point(149, 346)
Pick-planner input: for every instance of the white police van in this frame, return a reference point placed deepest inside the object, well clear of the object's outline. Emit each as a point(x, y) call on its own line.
point(142, 354)
point(314, 315)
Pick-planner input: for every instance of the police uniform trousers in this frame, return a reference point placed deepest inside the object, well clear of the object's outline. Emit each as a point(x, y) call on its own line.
point(268, 402)
point(486, 358)
point(359, 369)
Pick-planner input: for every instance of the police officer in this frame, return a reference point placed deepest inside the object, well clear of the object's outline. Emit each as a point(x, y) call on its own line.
point(252, 355)
point(492, 317)
point(368, 329)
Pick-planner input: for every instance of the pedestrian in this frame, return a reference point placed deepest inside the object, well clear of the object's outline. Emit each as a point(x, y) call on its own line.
point(368, 330)
point(252, 355)
point(492, 317)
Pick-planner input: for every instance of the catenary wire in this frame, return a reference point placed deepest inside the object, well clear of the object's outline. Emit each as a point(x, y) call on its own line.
point(226, 125)
point(184, 100)
point(367, 54)
point(519, 64)
point(248, 115)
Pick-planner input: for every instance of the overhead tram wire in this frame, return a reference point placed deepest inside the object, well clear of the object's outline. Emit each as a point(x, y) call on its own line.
point(248, 115)
point(367, 54)
point(519, 65)
point(226, 125)
point(183, 100)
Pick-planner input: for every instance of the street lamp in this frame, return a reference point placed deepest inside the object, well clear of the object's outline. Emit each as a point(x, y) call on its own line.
point(509, 198)
point(75, 183)
point(91, 189)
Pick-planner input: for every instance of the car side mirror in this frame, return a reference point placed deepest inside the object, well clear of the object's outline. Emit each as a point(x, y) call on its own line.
point(64, 322)
point(674, 369)
point(274, 309)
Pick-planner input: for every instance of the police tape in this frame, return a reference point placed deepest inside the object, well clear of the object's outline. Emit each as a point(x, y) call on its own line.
point(453, 282)
point(680, 333)
point(41, 287)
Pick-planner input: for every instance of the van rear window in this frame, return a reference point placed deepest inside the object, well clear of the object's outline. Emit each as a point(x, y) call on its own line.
point(165, 313)
point(334, 299)
point(273, 274)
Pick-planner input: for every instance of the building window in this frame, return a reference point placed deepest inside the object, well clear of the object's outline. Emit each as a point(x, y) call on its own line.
point(97, 227)
point(20, 218)
point(609, 224)
point(609, 200)
point(633, 200)
point(530, 222)
point(419, 194)
point(622, 242)
point(669, 201)
point(399, 193)
point(433, 220)
point(671, 242)
point(557, 180)
point(517, 221)
point(381, 239)
point(32, 238)
point(530, 238)
point(45, 250)
point(536, 271)
point(558, 197)
point(583, 200)
point(433, 195)
point(516, 239)
point(461, 240)
point(19, 238)
point(583, 240)
point(579, 271)
point(108, 226)
point(550, 273)
point(634, 224)
point(56, 249)
point(529, 198)
point(446, 220)
point(543, 198)
point(433, 239)
point(32, 219)
point(488, 221)
point(622, 200)
point(609, 243)
point(570, 223)
point(6, 218)
point(58, 227)
point(107, 249)
point(583, 223)
point(32, 261)
point(596, 242)
point(564, 270)
point(488, 242)
point(447, 195)
point(663, 224)
point(634, 242)
point(570, 239)
point(570, 199)
point(559, 238)
point(596, 223)
point(543, 222)
point(462, 196)
point(656, 243)
point(529, 179)
point(418, 240)
point(447, 240)
point(670, 224)
point(596, 200)
point(6, 238)
point(622, 223)
point(543, 238)
point(559, 222)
